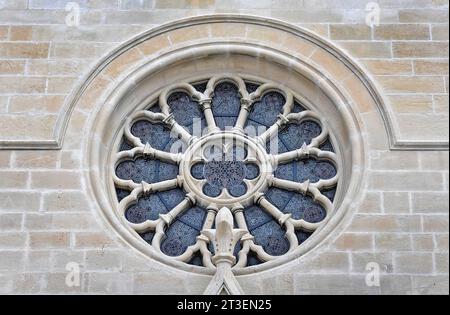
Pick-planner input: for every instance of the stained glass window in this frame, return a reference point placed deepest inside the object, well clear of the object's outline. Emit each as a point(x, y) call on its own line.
point(226, 142)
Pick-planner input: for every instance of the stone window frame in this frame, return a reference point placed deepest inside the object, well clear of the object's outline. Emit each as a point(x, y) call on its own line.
point(341, 85)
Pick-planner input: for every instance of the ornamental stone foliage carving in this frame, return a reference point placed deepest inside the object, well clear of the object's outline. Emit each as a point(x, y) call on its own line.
point(248, 149)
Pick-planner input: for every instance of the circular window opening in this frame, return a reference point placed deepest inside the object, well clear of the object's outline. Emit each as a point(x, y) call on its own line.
point(226, 141)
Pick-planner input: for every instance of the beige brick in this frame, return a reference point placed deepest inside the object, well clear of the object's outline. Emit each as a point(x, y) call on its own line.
point(371, 203)
point(4, 100)
point(92, 239)
point(441, 104)
point(394, 160)
point(12, 67)
point(75, 50)
point(362, 259)
point(434, 160)
point(5, 158)
point(27, 127)
point(362, 49)
point(4, 29)
point(29, 283)
point(36, 103)
point(435, 223)
point(13, 240)
point(35, 159)
point(389, 67)
point(70, 159)
point(13, 4)
point(49, 240)
point(26, 85)
point(55, 180)
point(105, 260)
point(67, 67)
point(411, 103)
point(431, 67)
point(24, 50)
point(56, 284)
point(10, 221)
point(353, 242)
point(12, 260)
point(396, 202)
point(439, 32)
point(422, 242)
point(413, 263)
point(442, 242)
point(406, 181)
point(13, 179)
point(65, 201)
point(39, 260)
point(424, 49)
point(385, 223)
point(60, 258)
point(423, 16)
point(413, 126)
point(21, 33)
point(430, 202)
point(333, 285)
point(61, 85)
point(158, 282)
point(441, 262)
point(19, 201)
point(350, 32)
point(136, 4)
point(430, 285)
point(111, 283)
point(402, 32)
point(416, 84)
point(393, 242)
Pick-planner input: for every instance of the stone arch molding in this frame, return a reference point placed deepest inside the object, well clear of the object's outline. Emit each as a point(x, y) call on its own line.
point(229, 31)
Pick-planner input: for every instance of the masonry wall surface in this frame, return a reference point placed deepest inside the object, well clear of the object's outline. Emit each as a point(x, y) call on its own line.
point(47, 218)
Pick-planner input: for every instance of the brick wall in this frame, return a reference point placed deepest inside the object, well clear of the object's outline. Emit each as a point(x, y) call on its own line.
point(46, 222)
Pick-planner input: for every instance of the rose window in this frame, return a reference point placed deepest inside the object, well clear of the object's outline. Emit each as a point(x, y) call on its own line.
point(251, 147)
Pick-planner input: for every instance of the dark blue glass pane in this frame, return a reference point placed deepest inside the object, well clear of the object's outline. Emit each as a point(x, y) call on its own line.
point(193, 217)
point(181, 234)
point(226, 104)
point(224, 174)
point(272, 238)
point(179, 237)
point(147, 208)
point(286, 171)
point(251, 87)
point(171, 198)
point(201, 87)
point(253, 260)
point(211, 191)
point(278, 197)
point(154, 134)
point(294, 135)
point(303, 207)
point(302, 236)
point(266, 111)
point(327, 146)
point(121, 193)
point(256, 216)
point(150, 171)
point(197, 170)
point(303, 170)
point(251, 171)
point(155, 109)
point(196, 260)
point(185, 110)
point(297, 108)
point(330, 193)
point(254, 129)
point(238, 190)
point(125, 146)
point(148, 237)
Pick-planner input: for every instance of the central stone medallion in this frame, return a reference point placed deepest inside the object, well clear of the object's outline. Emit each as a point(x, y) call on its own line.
point(225, 169)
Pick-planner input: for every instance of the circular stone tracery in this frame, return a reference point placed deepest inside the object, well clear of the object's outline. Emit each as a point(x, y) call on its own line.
point(225, 169)
point(279, 197)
